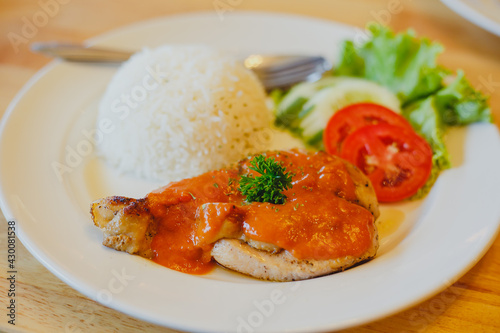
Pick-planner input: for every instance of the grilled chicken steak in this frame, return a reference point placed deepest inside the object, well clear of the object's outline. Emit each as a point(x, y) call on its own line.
point(327, 223)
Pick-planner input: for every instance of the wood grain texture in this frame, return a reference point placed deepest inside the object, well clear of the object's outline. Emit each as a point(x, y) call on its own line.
point(46, 304)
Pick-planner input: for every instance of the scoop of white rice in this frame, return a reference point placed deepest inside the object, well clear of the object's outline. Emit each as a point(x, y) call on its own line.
point(178, 111)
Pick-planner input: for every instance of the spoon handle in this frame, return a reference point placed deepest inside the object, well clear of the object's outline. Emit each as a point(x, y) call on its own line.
point(76, 52)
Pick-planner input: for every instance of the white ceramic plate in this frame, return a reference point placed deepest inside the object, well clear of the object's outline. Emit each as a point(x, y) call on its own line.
point(425, 245)
point(483, 13)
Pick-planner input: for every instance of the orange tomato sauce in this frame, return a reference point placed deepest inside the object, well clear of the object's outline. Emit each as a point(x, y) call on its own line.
point(318, 221)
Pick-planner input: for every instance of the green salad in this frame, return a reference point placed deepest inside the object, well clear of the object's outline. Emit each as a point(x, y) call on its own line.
point(399, 71)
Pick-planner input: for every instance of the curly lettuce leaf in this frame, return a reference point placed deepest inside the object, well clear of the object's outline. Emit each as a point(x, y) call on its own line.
point(426, 120)
point(401, 62)
point(351, 62)
point(456, 104)
point(459, 104)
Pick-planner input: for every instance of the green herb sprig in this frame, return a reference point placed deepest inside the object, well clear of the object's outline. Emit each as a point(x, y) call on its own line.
point(269, 186)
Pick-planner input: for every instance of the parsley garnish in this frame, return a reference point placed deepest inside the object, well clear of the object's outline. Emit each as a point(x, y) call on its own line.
point(269, 186)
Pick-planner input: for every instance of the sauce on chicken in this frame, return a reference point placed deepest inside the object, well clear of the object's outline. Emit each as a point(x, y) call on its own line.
point(321, 218)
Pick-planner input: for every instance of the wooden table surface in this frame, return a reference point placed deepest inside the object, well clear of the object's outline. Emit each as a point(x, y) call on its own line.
point(46, 304)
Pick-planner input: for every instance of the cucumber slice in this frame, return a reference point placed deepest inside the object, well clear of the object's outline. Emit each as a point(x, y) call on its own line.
point(317, 111)
point(290, 106)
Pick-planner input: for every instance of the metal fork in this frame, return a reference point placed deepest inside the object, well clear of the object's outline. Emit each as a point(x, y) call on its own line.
point(274, 71)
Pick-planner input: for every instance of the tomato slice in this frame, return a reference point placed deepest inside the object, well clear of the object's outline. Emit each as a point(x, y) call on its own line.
point(397, 161)
point(355, 116)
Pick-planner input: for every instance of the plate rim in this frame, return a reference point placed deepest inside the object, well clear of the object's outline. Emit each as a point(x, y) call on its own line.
point(469, 13)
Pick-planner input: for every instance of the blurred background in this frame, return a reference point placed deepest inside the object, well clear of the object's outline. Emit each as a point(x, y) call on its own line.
point(25, 21)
